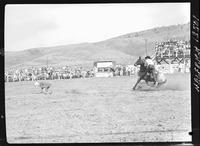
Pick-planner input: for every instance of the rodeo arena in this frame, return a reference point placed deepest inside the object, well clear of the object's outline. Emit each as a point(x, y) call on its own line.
point(170, 57)
point(98, 104)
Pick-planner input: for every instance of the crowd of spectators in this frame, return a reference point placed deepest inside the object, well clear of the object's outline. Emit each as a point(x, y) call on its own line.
point(47, 73)
point(65, 72)
point(173, 48)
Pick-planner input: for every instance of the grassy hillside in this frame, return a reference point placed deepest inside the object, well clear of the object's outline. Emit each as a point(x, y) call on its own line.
point(134, 43)
point(122, 49)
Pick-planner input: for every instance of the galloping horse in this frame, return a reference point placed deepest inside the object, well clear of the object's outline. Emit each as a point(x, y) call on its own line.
point(144, 76)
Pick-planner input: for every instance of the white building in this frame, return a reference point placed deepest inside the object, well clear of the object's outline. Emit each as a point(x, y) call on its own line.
point(104, 68)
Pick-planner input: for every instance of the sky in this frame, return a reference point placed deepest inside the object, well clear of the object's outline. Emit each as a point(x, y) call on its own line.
point(32, 26)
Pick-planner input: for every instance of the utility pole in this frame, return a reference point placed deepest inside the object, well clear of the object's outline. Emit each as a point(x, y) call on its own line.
point(146, 49)
point(47, 61)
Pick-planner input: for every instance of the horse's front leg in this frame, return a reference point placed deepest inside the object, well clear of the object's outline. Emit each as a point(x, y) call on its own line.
point(147, 82)
point(139, 79)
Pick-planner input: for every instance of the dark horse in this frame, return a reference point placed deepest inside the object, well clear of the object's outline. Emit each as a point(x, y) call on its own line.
point(143, 75)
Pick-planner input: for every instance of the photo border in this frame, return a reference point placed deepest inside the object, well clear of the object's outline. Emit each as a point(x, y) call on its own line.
point(195, 66)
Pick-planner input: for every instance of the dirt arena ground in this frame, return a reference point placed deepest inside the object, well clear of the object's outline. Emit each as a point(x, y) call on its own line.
point(99, 110)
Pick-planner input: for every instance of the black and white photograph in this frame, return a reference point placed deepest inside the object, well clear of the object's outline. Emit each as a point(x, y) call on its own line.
point(98, 73)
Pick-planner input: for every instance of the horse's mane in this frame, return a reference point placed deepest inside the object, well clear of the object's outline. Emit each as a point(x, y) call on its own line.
point(143, 63)
point(142, 67)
